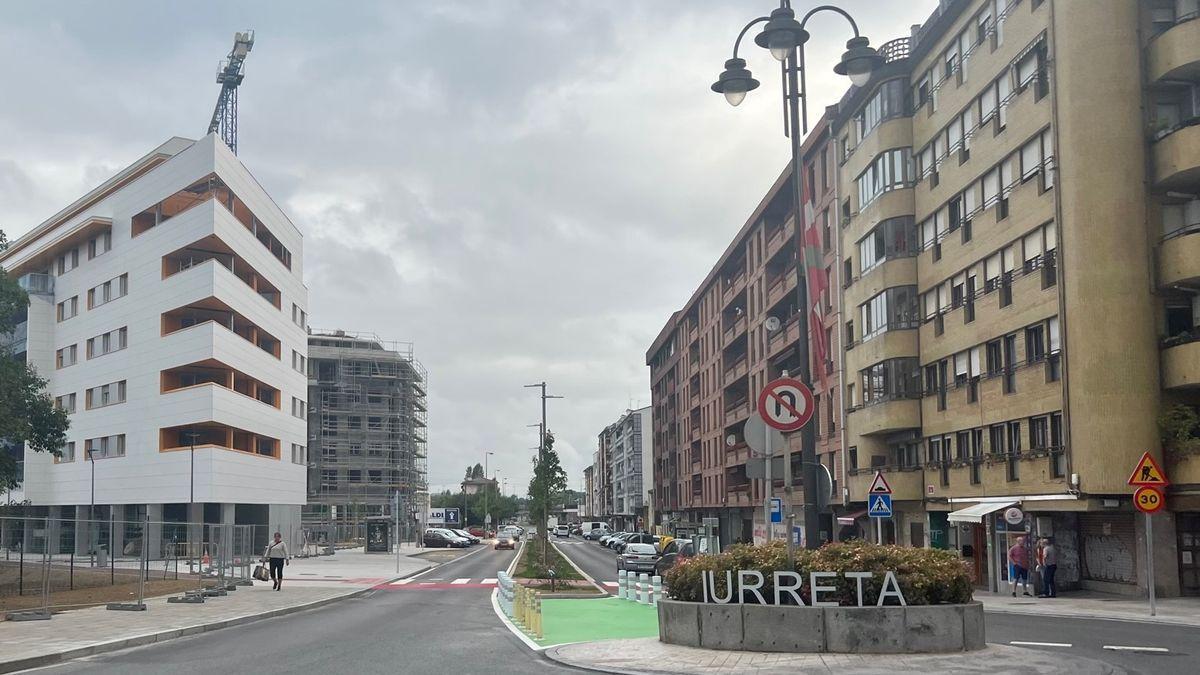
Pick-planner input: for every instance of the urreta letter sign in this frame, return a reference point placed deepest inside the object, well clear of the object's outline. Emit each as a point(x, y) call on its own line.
point(786, 404)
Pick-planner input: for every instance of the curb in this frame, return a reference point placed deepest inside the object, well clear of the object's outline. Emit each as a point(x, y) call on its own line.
point(166, 635)
point(1099, 617)
point(551, 654)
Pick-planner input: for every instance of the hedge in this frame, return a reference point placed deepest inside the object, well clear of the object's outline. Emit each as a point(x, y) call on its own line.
point(926, 576)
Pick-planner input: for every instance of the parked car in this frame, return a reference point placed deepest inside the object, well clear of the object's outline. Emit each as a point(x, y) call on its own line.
point(576, 529)
point(674, 551)
point(596, 533)
point(562, 531)
point(504, 540)
point(477, 531)
point(637, 538)
point(438, 538)
point(638, 558)
point(603, 540)
point(468, 536)
point(618, 539)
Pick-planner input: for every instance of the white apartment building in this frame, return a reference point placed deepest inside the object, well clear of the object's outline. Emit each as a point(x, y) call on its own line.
point(631, 463)
point(167, 311)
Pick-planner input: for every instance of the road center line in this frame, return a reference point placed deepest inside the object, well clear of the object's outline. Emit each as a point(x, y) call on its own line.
point(1040, 644)
point(1152, 650)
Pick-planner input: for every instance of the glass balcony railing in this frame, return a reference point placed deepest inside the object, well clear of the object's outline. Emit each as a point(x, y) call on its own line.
point(36, 283)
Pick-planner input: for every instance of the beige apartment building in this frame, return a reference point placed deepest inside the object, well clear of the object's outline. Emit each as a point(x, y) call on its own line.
point(1018, 202)
point(712, 357)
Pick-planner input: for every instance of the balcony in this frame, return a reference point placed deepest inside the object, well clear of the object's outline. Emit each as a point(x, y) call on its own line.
point(1175, 53)
point(1181, 363)
point(210, 435)
point(780, 286)
point(36, 283)
point(1179, 258)
point(906, 483)
point(735, 329)
point(737, 370)
point(737, 413)
point(212, 372)
point(1177, 157)
point(212, 248)
point(887, 416)
point(217, 312)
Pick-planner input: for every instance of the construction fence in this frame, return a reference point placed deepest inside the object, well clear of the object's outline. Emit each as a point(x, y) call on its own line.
point(51, 564)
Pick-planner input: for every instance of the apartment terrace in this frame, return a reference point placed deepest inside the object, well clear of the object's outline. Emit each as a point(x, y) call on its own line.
point(213, 435)
point(211, 248)
point(212, 372)
point(217, 312)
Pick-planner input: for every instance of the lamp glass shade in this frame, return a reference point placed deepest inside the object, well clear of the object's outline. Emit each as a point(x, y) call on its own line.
point(858, 77)
point(781, 43)
point(735, 97)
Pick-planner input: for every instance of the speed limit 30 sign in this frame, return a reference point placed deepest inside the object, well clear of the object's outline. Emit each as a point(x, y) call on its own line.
point(1149, 499)
point(786, 404)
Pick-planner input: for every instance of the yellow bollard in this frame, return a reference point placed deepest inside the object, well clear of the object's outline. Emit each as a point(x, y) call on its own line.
point(519, 605)
point(538, 613)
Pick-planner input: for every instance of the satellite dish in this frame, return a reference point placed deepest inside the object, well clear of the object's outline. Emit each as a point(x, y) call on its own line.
point(731, 440)
point(772, 324)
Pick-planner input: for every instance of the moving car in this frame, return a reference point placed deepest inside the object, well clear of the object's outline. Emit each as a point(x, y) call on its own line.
point(562, 531)
point(439, 538)
point(676, 550)
point(513, 531)
point(477, 531)
point(468, 536)
point(638, 558)
point(504, 540)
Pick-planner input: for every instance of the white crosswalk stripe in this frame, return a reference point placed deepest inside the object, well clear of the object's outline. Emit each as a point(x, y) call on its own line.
point(400, 582)
point(489, 581)
point(461, 581)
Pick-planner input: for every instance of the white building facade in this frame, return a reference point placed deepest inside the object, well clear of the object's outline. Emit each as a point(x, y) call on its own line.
point(168, 311)
point(631, 462)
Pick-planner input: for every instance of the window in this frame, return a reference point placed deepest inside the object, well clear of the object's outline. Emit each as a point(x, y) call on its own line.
point(299, 408)
point(973, 375)
point(1010, 360)
point(849, 334)
point(1039, 433)
point(68, 261)
point(299, 454)
point(854, 457)
point(891, 170)
point(891, 379)
point(893, 309)
point(962, 446)
point(112, 289)
point(66, 402)
point(106, 394)
point(892, 238)
point(995, 362)
point(996, 439)
point(1054, 362)
point(886, 103)
point(68, 308)
point(299, 316)
point(299, 362)
point(1035, 344)
point(66, 356)
point(99, 244)
point(66, 453)
point(329, 479)
point(105, 447)
point(107, 343)
point(1058, 456)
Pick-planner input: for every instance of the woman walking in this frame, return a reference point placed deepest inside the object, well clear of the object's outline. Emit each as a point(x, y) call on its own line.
point(277, 555)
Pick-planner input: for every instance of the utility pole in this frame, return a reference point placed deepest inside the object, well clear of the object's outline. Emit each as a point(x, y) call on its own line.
point(542, 526)
point(486, 514)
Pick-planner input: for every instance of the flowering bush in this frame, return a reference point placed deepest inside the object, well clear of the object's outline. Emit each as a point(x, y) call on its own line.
point(926, 576)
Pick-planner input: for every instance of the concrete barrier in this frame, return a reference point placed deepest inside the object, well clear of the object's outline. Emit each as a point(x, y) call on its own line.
point(844, 630)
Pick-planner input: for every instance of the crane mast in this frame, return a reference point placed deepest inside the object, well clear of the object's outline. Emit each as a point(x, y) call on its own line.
point(229, 76)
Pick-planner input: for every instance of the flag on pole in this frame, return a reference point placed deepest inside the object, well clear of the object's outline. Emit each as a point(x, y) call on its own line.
point(818, 284)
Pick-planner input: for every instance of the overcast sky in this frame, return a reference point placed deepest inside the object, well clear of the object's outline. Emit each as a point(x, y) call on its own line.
point(525, 190)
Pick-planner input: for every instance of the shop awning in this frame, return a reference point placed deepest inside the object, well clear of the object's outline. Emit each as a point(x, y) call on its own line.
point(975, 514)
point(849, 518)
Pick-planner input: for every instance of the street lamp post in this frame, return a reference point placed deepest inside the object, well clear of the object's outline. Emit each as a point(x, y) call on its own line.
point(92, 508)
point(486, 515)
point(785, 37)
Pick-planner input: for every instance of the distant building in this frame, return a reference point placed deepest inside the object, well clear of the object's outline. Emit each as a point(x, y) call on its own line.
point(627, 468)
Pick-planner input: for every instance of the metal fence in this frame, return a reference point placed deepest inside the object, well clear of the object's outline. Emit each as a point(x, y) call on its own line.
point(49, 564)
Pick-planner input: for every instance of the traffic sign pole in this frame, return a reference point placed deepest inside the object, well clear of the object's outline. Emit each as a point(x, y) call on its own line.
point(768, 528)
point(1150, 562)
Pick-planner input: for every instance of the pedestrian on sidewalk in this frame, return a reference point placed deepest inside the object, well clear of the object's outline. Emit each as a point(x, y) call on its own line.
point(277, 556)
point(1048, 561)
point(1018, 557)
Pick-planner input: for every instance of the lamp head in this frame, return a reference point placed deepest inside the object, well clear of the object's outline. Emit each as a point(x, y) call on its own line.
point(859, 61)
point(735, 82)
point(782, 34)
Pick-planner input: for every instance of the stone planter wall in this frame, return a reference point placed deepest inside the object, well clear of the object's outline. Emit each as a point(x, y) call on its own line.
point(858, 630)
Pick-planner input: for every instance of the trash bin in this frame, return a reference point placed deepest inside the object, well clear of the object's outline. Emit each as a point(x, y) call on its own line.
point(102, 556)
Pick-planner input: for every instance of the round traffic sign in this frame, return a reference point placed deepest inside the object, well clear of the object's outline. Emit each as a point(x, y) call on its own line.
point(786, 404)
point(1149, 499)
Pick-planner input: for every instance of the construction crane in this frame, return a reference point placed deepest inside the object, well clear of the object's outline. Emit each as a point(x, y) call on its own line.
point(229, 76)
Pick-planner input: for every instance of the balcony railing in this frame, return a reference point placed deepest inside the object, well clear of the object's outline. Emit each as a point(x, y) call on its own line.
point(896, 50)
point(36, 283)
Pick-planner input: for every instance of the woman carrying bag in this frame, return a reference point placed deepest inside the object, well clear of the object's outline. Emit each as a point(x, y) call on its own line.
point(277, 556)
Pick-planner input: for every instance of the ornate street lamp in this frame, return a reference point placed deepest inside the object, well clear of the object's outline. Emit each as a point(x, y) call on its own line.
point(785, 38)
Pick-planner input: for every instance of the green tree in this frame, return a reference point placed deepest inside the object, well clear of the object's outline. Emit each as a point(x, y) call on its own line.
point(27, 413)
point(547, 485)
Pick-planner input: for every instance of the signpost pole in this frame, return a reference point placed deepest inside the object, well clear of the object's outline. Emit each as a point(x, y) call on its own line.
point(396, 536)
point(769, 485)
point(879, 531)
point(1150, 563)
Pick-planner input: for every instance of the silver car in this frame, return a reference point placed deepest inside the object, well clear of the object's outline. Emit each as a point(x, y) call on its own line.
point(638, 558)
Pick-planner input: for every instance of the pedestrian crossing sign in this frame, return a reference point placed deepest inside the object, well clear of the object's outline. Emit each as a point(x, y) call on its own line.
point(879, 506)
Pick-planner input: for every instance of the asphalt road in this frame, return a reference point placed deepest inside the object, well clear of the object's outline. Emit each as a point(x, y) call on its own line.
point(597, 561)
point(432, 629)
point(1086, 637)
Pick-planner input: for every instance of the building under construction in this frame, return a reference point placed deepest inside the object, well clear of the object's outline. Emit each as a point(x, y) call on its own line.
point(367, 431)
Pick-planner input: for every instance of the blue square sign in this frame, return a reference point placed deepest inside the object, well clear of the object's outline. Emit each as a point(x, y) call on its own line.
point(776, 510)
point(452, 517)
point(879, 506)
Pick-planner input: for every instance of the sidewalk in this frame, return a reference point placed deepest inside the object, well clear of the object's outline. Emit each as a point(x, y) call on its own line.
point(309, 582)
point(1089, 604)
point(648, 655)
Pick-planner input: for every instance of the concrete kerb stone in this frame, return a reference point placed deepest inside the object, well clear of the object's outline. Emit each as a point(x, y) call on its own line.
point(973, 627)
point(721, 626)
point(166, 635)
point(770, 628)
point(679, 623)
point(865, 630)
point(932, 629)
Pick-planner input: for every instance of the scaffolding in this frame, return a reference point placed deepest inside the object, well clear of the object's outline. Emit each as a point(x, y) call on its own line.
point(367, 432)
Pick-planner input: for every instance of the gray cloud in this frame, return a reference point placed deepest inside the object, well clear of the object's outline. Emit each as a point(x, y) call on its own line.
point(525, 190)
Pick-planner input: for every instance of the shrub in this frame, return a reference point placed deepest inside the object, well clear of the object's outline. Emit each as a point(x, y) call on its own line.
point(926, 576)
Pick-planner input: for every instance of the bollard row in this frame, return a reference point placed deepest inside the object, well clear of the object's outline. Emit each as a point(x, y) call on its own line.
point(641, 588)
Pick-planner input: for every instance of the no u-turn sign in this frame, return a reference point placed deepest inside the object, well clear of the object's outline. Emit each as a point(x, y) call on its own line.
point(786, 404)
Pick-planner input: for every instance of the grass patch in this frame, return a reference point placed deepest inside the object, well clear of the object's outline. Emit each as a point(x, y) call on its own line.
point(534, 566)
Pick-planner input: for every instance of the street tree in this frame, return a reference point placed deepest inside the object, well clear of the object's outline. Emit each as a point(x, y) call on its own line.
point(27, 413)
point(547, 485)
